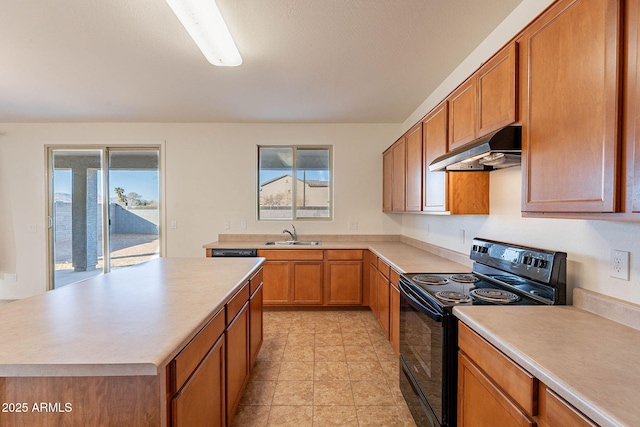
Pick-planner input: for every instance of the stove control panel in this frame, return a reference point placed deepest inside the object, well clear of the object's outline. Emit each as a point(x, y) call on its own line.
point(537, 264)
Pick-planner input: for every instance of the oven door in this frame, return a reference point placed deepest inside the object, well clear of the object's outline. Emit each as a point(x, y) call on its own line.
point(428, 348)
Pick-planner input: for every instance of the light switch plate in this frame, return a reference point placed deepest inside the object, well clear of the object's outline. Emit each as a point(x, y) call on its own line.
point(619, 264)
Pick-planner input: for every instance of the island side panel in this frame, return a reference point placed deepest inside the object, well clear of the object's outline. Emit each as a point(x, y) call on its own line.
point(80, 401)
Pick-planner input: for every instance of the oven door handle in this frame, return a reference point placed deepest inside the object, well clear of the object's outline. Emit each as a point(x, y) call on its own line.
point(423, 306)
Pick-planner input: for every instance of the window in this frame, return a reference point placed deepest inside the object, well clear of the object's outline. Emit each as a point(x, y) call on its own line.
point(294, 173)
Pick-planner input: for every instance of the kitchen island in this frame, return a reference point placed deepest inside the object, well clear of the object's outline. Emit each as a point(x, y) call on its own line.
point(97, 352)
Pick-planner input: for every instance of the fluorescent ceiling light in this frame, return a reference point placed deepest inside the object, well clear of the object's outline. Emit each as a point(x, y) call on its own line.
point(205, 25)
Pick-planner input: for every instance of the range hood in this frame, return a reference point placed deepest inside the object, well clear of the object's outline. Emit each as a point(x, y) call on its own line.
point(498, 150)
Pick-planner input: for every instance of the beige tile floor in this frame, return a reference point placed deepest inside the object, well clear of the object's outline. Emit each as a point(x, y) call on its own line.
point(323, 368)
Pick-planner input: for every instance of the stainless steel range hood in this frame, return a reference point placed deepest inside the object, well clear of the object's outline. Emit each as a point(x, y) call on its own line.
point(498, 150)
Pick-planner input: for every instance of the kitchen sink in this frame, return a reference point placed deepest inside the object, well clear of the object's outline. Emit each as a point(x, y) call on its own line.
point(294, 242)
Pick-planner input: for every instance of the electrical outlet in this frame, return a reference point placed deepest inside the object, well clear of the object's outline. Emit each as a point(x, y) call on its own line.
point(227, 224)
point(32, 228)
point(619, 264)
point(14, 277)
point(174, 224)
point(353, 225)
point(243, 225)
point(462, 236)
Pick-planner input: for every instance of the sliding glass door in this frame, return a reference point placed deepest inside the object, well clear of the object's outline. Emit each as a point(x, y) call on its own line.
point(103, 210)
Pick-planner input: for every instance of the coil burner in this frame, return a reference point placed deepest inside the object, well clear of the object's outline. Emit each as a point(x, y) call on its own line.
point(494, 295)
point(451, 296)
point(429, 279)
point(464, 278)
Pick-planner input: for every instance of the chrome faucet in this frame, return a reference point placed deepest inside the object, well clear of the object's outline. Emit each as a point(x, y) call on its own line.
point(293, 234)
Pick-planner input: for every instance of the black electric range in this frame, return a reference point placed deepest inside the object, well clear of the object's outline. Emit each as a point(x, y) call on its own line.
point(502, 274)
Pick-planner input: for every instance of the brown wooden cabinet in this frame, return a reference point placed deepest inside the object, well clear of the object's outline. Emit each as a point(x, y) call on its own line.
point(459, 193)
point(394, 312)
point(497, 88)
point(343, 277)
point(413, 172)
point(462, 114)
point(255, 316)
point(486, 101)
point(293, 276)
point(434, 145)
point(314, 277)
point(201, 401)
point(571, 63)
point(197, 377)
point(383, 296)
point(482, 403)
point(237, 358)
point(387, 180)
point(632, 109)
point(492, 390)
point(399, 175)
point(306, 282)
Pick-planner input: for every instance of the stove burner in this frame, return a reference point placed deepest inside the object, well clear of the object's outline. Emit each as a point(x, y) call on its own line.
point(428, 279)
point(451, 296)
point(494, 295)
point(464, 278)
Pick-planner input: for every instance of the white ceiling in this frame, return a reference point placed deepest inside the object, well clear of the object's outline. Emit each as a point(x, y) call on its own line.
point(340, 61)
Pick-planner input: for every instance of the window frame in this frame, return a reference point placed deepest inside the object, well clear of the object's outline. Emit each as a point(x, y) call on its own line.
point(294, 189)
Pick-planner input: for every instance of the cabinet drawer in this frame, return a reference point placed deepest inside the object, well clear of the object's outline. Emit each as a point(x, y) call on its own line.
point(236, 302)
point(255, 281)
point(394, 278)
point(519, 384)
point(188, 359)
point(339, 255)
point(291, 254)
point(383, 268)
point(554, 411)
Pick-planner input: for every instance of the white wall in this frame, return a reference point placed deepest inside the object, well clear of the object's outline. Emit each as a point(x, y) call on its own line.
point(209, 175)
point(587, 243)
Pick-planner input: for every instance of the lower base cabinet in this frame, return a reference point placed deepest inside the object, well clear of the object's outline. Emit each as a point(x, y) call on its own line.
point(495, 391)
point(237, 340)
point(208, 376)
point(201, 402)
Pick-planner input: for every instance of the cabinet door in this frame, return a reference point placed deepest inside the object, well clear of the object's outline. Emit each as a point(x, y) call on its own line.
point(413, 191)
point(373, 286)
point(306, 282)
point(554, 411)
point(481, 403)
point(571, 135)
point(394, 322)
point(632, 107)
point(344, 282)
point(237, 359)
point(255, 324)
point(383, 302)
point(387, 181)
point(497, 91)
point(276, 282)
point(434, 145)
point(462, 114)
point(399, 184)
point(201, 402)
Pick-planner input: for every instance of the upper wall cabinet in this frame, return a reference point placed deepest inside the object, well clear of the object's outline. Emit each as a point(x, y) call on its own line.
point(409, 186)
point(394, 161)
point(413, 191)
point(632, 108)
point(571, 141)
point(486, 101)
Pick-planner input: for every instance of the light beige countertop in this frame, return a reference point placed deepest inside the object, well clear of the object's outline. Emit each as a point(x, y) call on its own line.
point(129, 322)
point(590, 361)
point(405, 256)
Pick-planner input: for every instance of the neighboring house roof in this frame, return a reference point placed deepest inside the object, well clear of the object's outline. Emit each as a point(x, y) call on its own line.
point(309, 182)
